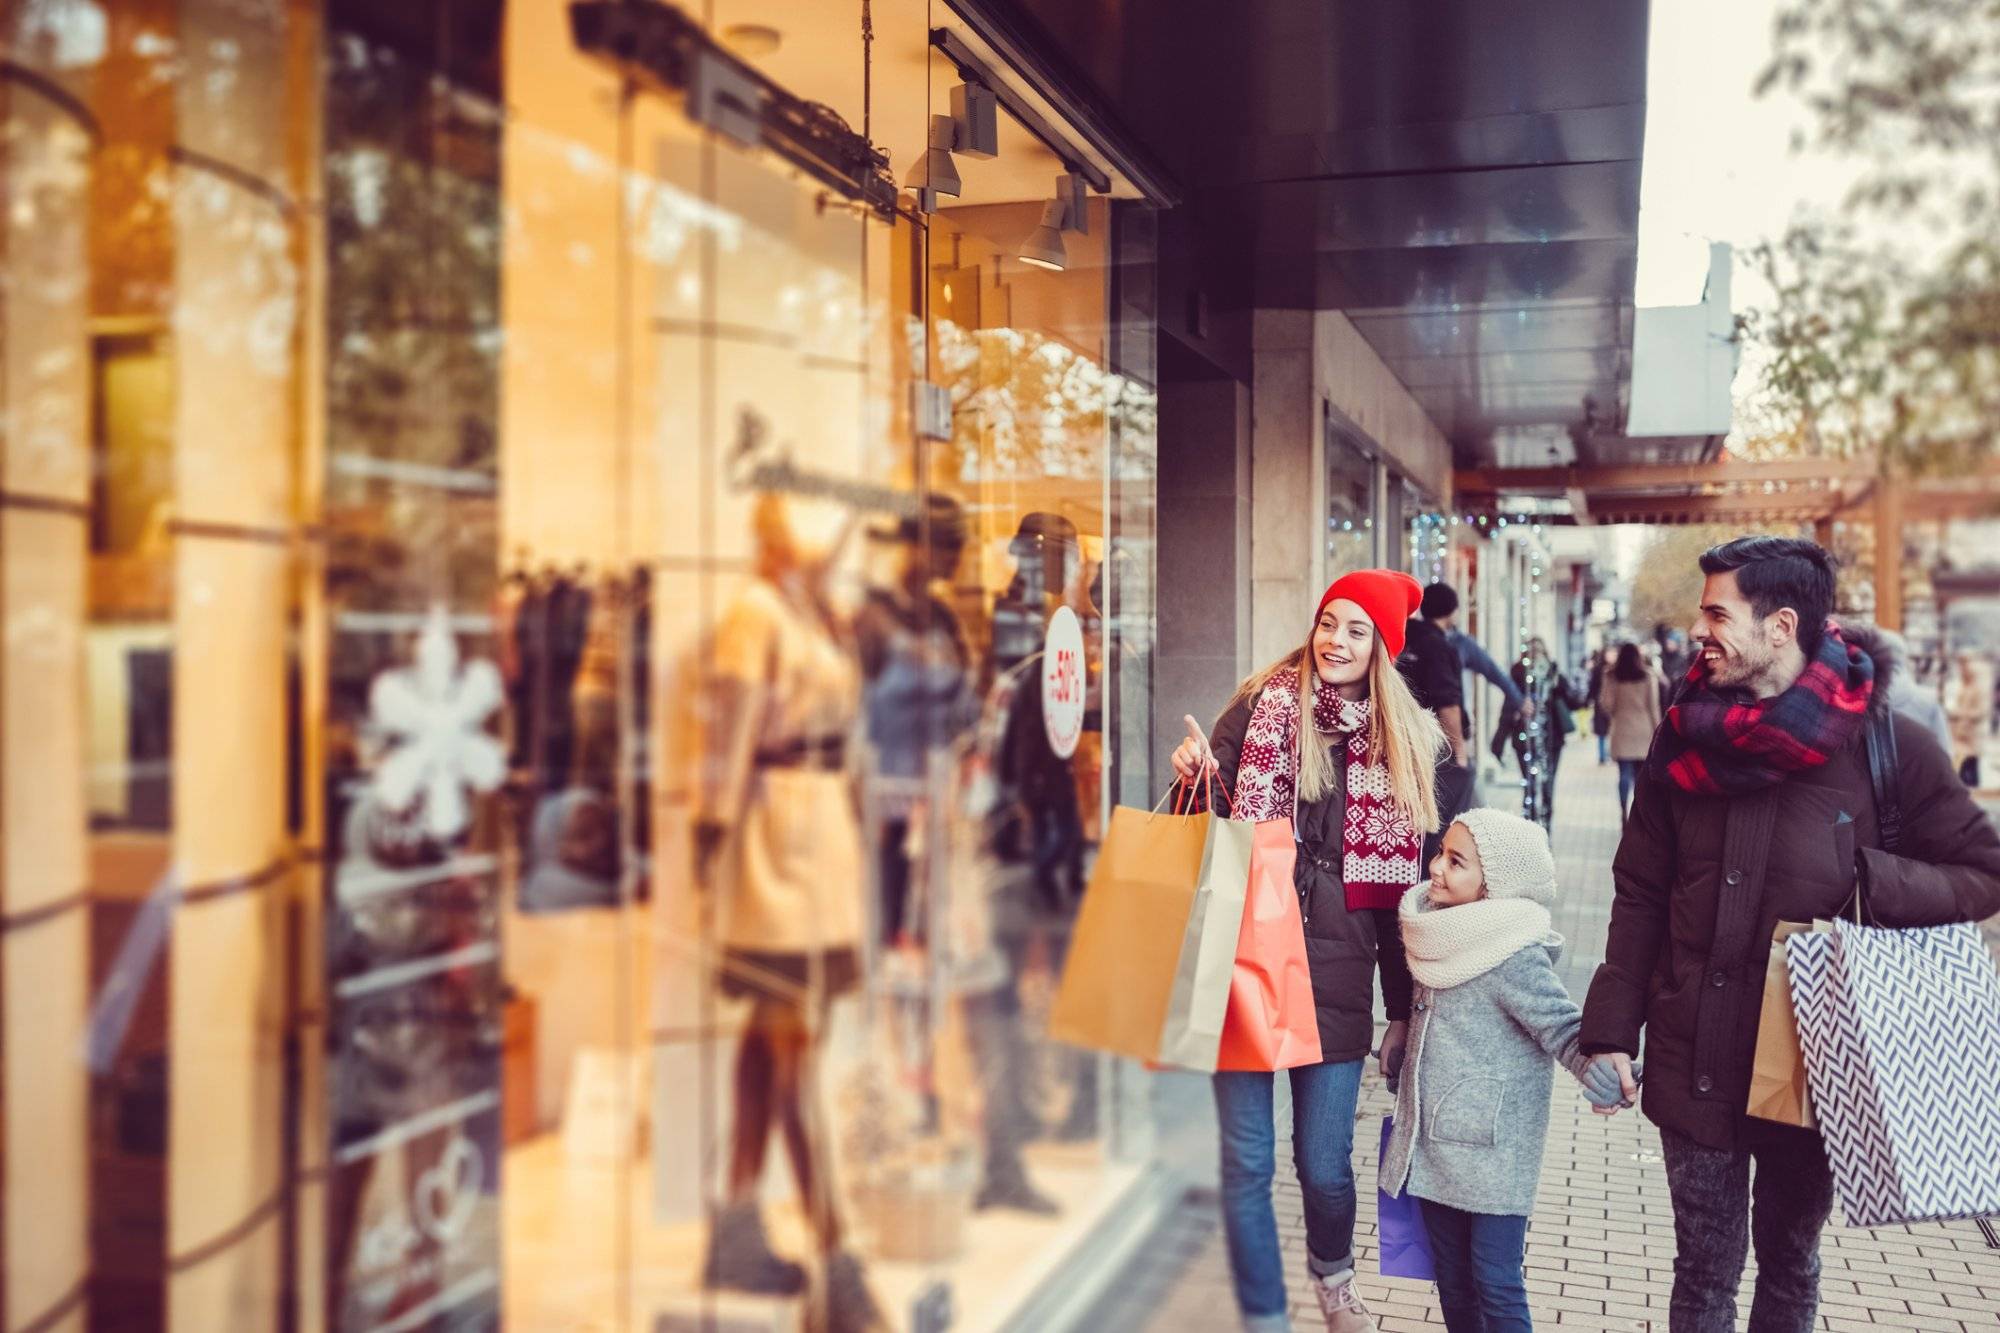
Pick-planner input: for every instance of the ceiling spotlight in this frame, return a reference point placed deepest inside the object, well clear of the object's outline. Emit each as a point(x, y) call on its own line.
point(1075, 195)
point(976, 113)
point(935, 173)
point(1044, 246)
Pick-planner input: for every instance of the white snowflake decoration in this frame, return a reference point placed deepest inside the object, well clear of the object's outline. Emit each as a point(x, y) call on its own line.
point(435, 715)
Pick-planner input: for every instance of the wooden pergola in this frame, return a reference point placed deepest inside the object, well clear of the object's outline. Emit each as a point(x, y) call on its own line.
point(1790, 492)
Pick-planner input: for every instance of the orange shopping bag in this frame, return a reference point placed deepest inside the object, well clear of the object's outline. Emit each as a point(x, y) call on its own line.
point(1271, 1022)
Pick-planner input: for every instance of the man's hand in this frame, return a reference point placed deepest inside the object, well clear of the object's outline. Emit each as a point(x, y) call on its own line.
point(1395, 1043)
point(1610, 1083)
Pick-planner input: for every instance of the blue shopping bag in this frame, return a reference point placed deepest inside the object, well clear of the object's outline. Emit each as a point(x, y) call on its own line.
point(1406, 1246)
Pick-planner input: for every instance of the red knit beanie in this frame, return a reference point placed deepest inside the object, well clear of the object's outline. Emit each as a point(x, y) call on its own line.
point(1389, 596)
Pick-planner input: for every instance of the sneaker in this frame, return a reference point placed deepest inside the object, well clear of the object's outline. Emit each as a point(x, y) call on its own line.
point(1341, 1304)
point(740, 1257)
point(849, 1306)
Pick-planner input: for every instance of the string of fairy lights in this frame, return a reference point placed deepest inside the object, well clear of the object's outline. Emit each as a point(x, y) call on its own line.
point(1431, 538)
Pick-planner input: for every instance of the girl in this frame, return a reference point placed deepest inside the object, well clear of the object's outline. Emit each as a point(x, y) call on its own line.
point(1490, 1013)
point(1330, 738)
point(1630, 700)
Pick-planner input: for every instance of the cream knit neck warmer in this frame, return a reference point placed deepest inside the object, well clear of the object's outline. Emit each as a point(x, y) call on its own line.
point(1449, 946)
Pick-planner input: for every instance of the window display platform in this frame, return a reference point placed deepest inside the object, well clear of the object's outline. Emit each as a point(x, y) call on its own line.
point(570, 1265)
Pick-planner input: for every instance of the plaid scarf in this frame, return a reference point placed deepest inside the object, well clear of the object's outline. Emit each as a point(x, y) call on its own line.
point(1380, 847)
point(1718, 743)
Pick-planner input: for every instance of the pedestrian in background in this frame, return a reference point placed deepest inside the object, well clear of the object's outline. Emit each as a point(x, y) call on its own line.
point(1969, 706)
point(1538, 730)
point(1630, 706)
point(1329, 738)
point(1431, 667)
point(1600, 722)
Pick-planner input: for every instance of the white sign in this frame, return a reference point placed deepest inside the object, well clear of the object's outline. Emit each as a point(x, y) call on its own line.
point(1062, 682)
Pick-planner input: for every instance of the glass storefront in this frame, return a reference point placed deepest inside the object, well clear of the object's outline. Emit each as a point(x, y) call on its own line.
point(566, 645)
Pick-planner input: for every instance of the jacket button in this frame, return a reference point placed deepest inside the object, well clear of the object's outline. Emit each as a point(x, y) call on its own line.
point(1718, 978)
point(1704, 1084)
point(1734, 877)
point(1420, 1006)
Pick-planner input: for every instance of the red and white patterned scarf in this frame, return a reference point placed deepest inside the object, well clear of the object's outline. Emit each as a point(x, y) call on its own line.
point(1381, 850)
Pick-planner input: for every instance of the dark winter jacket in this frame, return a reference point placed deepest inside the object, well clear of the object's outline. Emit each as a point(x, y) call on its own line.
point(1702, 880)
point(1344, 949)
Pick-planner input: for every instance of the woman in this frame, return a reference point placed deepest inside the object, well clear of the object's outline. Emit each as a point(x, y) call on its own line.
point(1538, 740)
point(1327, 731)
point(1630, 700)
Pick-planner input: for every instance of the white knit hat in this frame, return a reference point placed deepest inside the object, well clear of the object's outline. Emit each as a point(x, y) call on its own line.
point(1514, 852)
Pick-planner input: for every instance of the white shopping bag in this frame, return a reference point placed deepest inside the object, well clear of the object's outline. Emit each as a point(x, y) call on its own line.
point(1900, 1030)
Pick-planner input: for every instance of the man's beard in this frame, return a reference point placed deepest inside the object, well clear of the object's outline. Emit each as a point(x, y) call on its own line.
point(1740, 671)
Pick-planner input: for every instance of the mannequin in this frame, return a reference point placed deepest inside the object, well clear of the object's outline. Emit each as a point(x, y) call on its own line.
point(918, 672)
point(778, 854)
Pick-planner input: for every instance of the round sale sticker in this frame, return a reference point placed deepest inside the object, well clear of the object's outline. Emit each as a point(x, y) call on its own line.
point(1062, 682)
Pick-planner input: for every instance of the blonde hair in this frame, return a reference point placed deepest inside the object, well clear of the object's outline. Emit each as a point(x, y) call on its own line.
point(1403, 735)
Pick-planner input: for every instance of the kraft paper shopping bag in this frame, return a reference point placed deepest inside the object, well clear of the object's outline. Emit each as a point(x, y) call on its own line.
point(1125, 955)
point(1272, 1022)
point(1778, 1077)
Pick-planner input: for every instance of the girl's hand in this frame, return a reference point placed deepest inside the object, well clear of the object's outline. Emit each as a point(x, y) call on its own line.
point(1192, 759)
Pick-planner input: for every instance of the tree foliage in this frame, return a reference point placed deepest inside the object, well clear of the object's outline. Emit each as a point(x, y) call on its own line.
point(1885, 330)
point(1667, 588)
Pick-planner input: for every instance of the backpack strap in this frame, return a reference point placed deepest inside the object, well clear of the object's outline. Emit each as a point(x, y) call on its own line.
point(1883, 768)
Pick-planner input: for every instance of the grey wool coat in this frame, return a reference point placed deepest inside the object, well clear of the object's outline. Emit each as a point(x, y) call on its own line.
point(1472, 1110)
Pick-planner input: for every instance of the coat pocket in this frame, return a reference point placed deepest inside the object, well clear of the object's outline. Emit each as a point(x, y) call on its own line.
point(1469, 1112)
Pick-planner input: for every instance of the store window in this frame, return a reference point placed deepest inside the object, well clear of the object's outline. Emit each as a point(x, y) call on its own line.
point(606, 641)
point(1350, 494)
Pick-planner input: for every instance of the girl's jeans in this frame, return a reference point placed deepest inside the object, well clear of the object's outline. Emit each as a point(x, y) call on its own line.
point(1479, 1257)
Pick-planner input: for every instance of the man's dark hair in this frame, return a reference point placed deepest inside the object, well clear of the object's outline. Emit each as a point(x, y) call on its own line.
point(1439, 601)
point(1776, 572)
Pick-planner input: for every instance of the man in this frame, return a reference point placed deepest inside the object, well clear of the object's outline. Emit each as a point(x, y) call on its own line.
point(1477, 660)
point(1431, 666)
point(1756, 807)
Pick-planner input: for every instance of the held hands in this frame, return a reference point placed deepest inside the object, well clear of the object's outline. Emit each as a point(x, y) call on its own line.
point(1611, 1082)
point(1192, 759)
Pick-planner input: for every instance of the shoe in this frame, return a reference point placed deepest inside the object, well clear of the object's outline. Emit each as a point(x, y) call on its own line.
point(740, 1257)
point(849, 1306)
point(1341, 1304)
point(1013, 1190)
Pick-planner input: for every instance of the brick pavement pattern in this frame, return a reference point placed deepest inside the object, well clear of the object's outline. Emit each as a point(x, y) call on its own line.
point(1601, 1245)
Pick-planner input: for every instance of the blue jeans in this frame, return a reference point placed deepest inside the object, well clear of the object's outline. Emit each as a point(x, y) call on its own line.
point(1323, 1098)
point(1478, 1259)
point(1628, 778)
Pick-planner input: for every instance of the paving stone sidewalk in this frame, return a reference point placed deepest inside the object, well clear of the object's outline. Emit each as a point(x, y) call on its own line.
point(1601, 1247)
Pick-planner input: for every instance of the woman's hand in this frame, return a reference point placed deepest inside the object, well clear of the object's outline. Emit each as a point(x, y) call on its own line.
point(1192, 759)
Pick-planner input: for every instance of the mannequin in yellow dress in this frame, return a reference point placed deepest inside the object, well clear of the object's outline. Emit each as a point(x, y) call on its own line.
point(778, 849)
